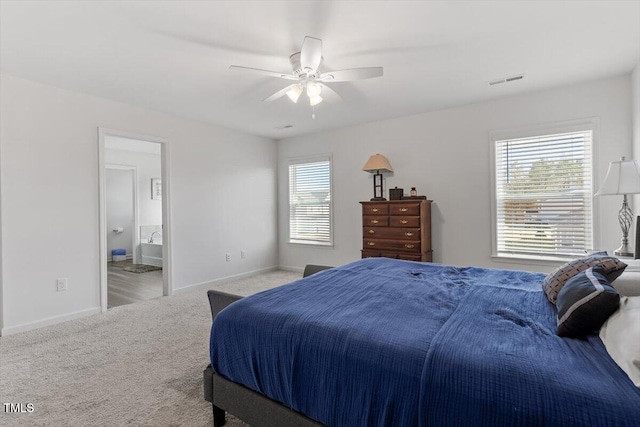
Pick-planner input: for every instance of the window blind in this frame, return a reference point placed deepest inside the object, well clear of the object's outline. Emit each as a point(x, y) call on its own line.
point(544, 195)
point(310, 202)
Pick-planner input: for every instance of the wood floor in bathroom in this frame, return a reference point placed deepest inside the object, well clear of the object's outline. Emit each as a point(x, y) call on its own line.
point(125, 287)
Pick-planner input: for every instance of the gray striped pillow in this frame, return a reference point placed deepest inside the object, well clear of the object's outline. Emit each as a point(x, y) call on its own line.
point(585, 302)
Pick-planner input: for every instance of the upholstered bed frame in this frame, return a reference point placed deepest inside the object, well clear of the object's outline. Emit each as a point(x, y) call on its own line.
point(246, 404)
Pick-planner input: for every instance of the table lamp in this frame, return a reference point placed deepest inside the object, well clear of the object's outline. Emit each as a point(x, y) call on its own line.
point(377, 163)
point(623, 177)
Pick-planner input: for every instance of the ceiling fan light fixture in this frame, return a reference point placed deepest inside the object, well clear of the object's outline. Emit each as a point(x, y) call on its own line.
point(313, 90)
point(294, 93)
point(315, 100)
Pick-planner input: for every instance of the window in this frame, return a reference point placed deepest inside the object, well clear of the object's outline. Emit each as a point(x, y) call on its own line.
point(543, 195)
point(310, 201)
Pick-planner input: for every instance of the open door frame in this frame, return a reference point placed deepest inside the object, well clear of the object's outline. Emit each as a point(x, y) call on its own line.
point(167, 277)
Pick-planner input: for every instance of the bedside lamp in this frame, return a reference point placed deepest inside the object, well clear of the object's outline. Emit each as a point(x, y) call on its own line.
point(623, 177)
point(377, 163)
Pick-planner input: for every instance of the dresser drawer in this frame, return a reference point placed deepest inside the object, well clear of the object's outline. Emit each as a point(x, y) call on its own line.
point(393, 245)
point(370, 254)
point(376, 221)
point(404, 221)
point(411, 257)
point(404, 209)
point(375, 209)
point(391, 233)
point(378, 254)
point(396, 255)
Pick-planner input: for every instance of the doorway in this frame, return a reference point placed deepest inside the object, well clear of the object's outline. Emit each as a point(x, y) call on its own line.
point(135, 256)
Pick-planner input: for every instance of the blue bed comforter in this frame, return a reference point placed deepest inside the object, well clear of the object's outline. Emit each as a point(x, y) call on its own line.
point(382, 342)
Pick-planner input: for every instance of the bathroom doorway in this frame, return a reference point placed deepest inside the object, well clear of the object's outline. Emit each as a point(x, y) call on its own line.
point(134, 238)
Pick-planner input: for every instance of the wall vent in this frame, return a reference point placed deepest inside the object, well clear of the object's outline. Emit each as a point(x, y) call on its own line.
point(510, 79)
point(506, 79)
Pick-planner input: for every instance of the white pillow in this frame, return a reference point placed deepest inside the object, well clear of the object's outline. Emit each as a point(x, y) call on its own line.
point(628, 284)
point(621, 336)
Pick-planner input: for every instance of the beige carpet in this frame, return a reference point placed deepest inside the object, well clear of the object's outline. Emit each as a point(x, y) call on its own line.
point(136, 365)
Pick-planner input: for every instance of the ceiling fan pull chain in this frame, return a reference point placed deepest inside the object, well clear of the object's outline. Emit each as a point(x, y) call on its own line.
point(313, 112)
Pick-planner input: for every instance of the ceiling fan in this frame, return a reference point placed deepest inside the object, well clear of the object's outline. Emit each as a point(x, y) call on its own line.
point(307, 75)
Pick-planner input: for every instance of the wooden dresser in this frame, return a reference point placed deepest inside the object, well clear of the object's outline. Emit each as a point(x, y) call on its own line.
point(397, 229)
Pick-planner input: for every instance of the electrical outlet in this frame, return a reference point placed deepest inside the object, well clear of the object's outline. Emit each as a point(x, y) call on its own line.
point(243, 254)
point(228, 257)
point(61, 285)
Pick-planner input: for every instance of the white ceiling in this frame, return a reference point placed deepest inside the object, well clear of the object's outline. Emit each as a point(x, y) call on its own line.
point(173, 56)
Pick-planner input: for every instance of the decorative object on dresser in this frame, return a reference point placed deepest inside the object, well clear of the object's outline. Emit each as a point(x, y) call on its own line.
point(377, 163)
point(623, 177)
point(396, 193)
point(397, 229)
point(413, 192)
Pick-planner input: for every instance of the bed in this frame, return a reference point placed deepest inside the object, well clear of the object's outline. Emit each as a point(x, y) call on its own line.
point(383, 342)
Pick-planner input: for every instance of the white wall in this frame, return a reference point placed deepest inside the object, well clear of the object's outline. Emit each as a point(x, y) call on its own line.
point(445, 154)
point(219, 179)
point(147, 166)
point(1, 204)
point(635, 105)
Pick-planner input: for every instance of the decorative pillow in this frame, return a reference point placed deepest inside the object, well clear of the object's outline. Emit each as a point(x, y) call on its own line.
point(555, 280)
point(621, 336)
point(585, 302)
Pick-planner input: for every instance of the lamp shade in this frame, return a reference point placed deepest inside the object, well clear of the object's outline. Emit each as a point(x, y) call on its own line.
point(377, 162)
point(623, 177)
point(294, 93)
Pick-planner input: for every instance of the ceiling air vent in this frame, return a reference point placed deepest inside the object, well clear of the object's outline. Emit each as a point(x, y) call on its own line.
point(506, 80)
point(283, 127)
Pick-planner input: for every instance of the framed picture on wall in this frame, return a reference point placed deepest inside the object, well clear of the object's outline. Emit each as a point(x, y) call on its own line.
point(156, 189)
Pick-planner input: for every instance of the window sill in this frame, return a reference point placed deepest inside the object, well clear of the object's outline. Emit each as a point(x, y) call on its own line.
point(310, 244)
point(531, 259)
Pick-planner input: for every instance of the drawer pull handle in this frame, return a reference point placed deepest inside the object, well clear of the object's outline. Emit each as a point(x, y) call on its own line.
point(408, 234)
point(371, 243)
point(408, 246)
point(374, 221)
point(374, 209)
point(403, 221)
point(371, 231)
point(403, 209)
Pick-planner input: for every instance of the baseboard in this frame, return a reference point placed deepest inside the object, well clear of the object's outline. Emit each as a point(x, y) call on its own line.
point(49, 321)
point(205, 286)
point(110, 259)
point(289, 268)
point(152, 260)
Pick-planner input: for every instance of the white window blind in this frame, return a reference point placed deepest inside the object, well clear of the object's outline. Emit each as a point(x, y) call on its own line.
point(544, 195)
point(310, 201)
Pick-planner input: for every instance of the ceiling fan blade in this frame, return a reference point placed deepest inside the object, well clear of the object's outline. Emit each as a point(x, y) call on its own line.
point(329, 94)
point(279, 94)
point(311, 54)
point(350, 74)
point(264, 72)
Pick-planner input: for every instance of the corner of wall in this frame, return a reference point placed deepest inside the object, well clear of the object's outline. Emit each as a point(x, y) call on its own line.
point(635, 110)
point(635, 129)
point(1, 269)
